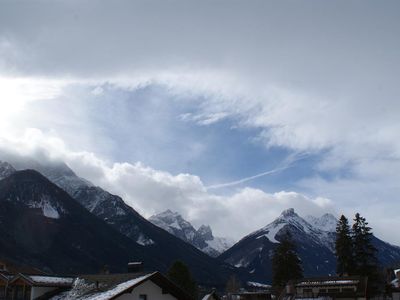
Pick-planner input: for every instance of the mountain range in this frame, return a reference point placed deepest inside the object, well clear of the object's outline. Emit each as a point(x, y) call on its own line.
point(55, 220)
point(137, 238)
point(314, 239)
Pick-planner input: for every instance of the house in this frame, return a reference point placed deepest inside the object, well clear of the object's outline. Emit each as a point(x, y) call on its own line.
point(354, 287)
point(126, 286)
point(252, 291)
point(30, 287)
point(134, 285)
point(14, 285)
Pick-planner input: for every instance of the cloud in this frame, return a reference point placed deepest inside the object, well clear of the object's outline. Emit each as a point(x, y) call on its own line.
point(307, 82)
point(151, 191)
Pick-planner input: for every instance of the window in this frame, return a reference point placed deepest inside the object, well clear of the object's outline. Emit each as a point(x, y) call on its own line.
point(142, 297)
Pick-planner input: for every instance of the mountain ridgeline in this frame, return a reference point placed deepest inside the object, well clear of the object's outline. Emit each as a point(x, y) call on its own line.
point(56, 221)
point(314, 239)
point(65, 224)
point(202, 238)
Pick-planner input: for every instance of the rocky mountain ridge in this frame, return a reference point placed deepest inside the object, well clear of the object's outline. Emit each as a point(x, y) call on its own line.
point(201, 238)
point(315, 240)
point(152, 240)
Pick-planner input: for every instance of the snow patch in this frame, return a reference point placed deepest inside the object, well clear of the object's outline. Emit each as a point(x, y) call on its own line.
point(49, 211)
point(220, 244)
point(272, 232)
point(144, 241)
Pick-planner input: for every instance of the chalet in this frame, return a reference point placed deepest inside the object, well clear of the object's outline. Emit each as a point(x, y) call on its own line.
point(16, 286)
point(252, 291)
point(354, 287)
point(134, 285)
point(127, 286)
point(30, 287)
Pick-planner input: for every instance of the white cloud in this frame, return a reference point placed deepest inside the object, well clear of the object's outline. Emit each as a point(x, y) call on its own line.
point(151, 191)
point(309, 82)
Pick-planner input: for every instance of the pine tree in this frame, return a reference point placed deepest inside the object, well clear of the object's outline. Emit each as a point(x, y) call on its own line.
point(364, 252)
point(179, 274)
point(365, 261)
point(344, 248)
point(286, 265)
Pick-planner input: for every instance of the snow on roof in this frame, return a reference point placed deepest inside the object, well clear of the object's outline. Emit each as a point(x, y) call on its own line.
point(396, 271)
point(208, 297)
point(328, 282)
point(51, 280)
point(259, 285)
point(395, 283)
point(88, 291)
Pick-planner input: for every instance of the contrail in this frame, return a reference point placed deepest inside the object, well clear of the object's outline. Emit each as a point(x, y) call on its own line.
point(287, 164)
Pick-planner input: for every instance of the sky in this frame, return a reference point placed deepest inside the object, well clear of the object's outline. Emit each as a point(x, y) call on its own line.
point(227, 112)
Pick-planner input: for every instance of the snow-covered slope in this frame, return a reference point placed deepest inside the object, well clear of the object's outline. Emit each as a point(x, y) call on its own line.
point(202, 238)
point(326, 222)
point(314, 239)
point(6, 169)
point(254, 252)
point(176, 225)
point(155, 242)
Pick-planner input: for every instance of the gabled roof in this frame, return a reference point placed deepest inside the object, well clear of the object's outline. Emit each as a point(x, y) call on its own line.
point(110, 286)
point(44, 280)
point(5, 277)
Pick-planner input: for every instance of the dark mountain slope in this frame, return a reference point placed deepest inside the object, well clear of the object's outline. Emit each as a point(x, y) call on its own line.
point(156, 243)
point(41, 225)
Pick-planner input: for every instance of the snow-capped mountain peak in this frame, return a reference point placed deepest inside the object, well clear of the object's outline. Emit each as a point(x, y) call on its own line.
point(287, 217)
point(6, 169)
point(174, 224)
point(288, 213)
point(202, 238)
point(326, 222)
point(206, 232)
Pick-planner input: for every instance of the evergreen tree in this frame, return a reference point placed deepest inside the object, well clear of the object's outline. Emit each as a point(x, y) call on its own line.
point(179, 274)
point(365, 261)
point(364, 252)
point(344, 248)
point(286, 265)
